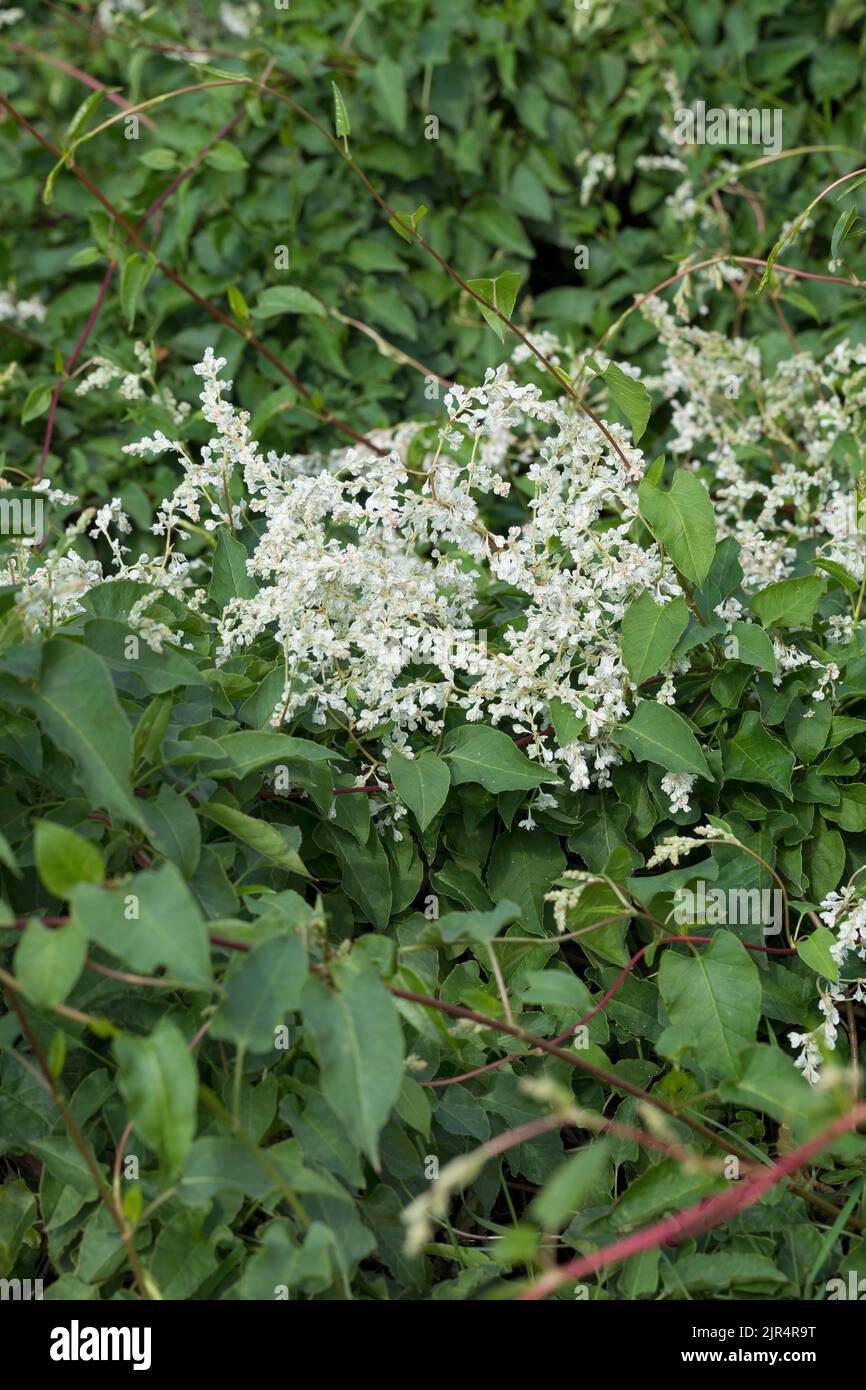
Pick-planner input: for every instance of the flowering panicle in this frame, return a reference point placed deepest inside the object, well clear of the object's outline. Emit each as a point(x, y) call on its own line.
point(360, 586)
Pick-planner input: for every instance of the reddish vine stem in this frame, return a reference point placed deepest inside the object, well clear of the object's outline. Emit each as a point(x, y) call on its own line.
point(107, 279)
point(718, 260)
point(703, 1216)
point(325, 415)
point(410, 231)
point(80, 76)
point(542, 1044)
point(616, 1083)
point(515, 1056)
point(665, 941)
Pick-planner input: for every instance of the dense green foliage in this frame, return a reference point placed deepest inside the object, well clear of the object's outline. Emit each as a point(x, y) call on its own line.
point(275, 855)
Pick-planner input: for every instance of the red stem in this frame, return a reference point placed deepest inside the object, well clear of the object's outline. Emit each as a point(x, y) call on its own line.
point(322, 413)
point(109, 275)
point(704, 1216)
point(81, 76)
point(665, 941)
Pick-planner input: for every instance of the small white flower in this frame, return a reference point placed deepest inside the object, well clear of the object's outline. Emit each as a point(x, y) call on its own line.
point(677, 786)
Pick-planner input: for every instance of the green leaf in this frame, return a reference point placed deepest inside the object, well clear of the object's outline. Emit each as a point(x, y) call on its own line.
point(843, 226)
point(359, 1044)
point(650, 631)
point(137, 270)
point(789, 603)
point(160, 158)
point(174, 829)
point(666, 1187)
point(278, 843)
point(279, 1261)
point(570, 1186)
point(341, 114)
point(260, 992)
point(37, 402)
point(838, 572)
point(7, 857)
point(850, 813)
point(567, 724)
point(724, 1272)
point(501, 293)
point(287, 299)
point(74, 134)
point(475, 926)
point(826, 861)
point(238, 304)
point(249, 750)
point(150, 731)
point(390, 83)
point(17, 1212)
point(754, 755)
point(754, 647)
point(630, 395)
point(66, 1164)
point(658, 734)
point(84, 112)
point(683, 521)
point(49, 960)
point(714, 996)
point(563, 994)
point(405, 223)
point(230, 578)
point(366, 875)
point(271, 405)
point(158, 1080)
point(226, 157)
point(522, 869)
point(769, 1082)
point(150, 922)
point(78, 709)
point(56, 1054)
point(133, 1205)
point(807, 725)
point(479, 753)
point(64, 858)
point(131, 660)
point(814, 949)
point(422, 783)
point(843, 727)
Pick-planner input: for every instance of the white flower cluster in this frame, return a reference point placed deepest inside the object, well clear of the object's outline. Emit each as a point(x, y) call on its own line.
point(370, 574)
point(671, 849)
point(240, 20)
point(111, 13)
point(373, 565)
point(845, 914)
point(567, 897)
point(132, 384)
point(20, 309)
point(678, 785)
point(792, 421)
point(52, 585)
point(590, 17)
point(599, 167)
